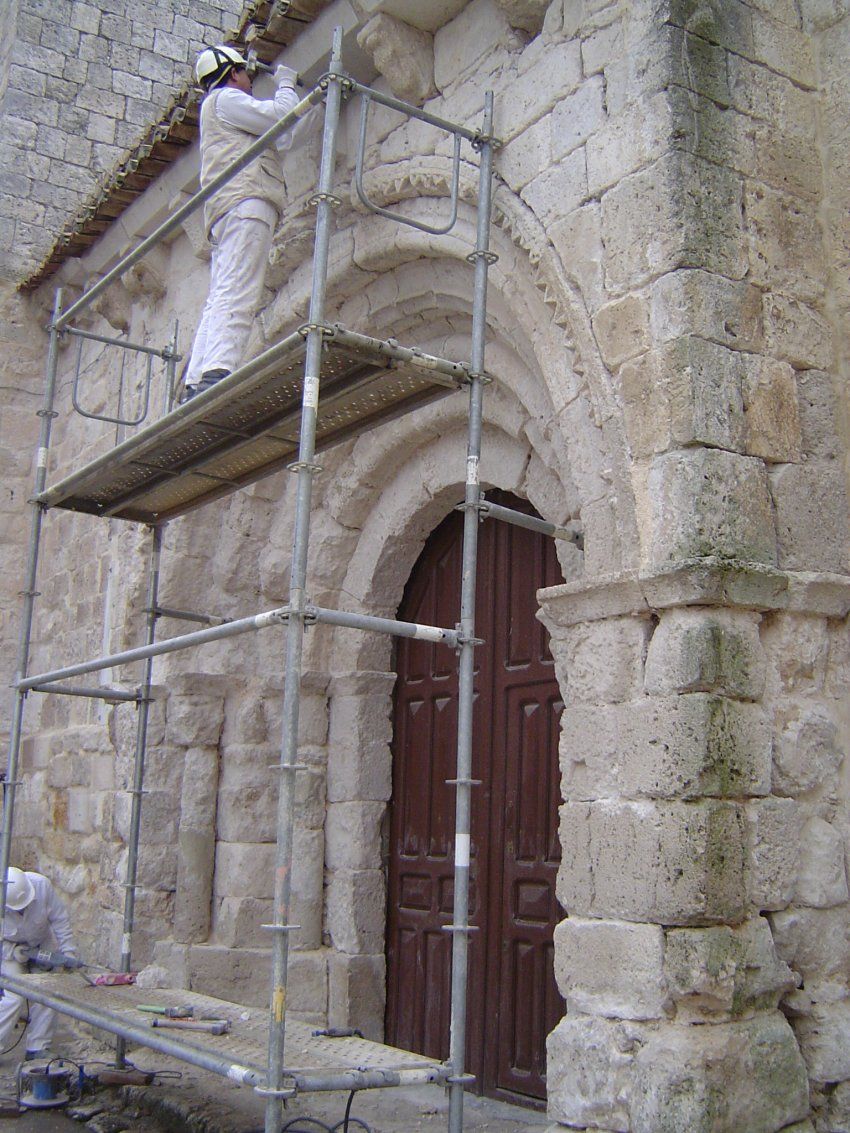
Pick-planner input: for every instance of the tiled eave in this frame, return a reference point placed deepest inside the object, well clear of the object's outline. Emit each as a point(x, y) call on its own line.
point(266, 27)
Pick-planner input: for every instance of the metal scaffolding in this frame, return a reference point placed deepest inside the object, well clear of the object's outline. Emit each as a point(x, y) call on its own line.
point(312, 389)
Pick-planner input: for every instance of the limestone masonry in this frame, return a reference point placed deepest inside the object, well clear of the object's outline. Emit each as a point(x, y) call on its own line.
point(668, 329)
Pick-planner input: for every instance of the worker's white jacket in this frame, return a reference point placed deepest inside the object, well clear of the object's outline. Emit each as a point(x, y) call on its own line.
point(230, 121)
point(43, 922)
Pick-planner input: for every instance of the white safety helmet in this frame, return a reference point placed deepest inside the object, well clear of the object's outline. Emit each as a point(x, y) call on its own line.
point(214, 64)
point(19, 891)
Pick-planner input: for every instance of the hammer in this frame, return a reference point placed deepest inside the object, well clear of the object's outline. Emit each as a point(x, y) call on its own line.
point(213, 1027)
point(255, 66)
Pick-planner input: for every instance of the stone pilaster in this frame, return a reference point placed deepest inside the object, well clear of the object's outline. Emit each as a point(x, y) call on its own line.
point(689, 865)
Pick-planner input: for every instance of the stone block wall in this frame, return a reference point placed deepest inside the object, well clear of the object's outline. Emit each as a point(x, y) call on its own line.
point(80, 84)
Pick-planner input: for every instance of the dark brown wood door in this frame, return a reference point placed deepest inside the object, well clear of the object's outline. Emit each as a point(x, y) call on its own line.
point(513, 1001)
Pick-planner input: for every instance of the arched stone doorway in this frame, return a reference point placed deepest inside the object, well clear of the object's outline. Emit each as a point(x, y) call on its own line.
point(513, 1000)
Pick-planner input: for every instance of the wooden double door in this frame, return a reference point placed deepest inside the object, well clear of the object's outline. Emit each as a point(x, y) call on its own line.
point(512, 999)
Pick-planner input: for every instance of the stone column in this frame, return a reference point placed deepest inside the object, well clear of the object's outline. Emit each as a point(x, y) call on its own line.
point(681, 845)
point(195, 715)
point(359, 786)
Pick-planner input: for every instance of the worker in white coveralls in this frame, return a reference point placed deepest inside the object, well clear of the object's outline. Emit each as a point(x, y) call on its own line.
point(35, 918)
point(239, 218)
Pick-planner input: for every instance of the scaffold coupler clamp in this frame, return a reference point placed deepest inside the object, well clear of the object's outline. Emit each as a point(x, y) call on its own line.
point(462, 638)
point(284, 1093)
point(463, 1079)
point(324, 329)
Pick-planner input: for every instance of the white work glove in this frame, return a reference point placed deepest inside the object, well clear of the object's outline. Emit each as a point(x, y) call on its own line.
point(284, 76)
point(20, 953)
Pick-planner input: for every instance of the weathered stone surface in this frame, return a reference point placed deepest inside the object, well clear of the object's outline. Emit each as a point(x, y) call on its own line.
point(241, 975)
point(673, 863)
point(771, 418)
point(603, 660)
point(237, 922)
point(724, 971)
point(822, 877)
point(710, 651)
point(622, 329)
point(244, 869)
point(611, 968)
point(774, 829)
point(591, 1071)
point(577, 117)
point(355, 911)
point(721, 310)
point(195, 865)
point(525, 14)
point(643, 1079)
point(200, 786)
point(708, 502)
point(360, 732)
point(651, 223)
point(559, 190)
point(460, 44)
point(353, 835)
point(356, 993)
point(307, 881)
point(797, 647)
point(817, 405)
point(628, 141)
point(796, 332)
point(725, 1078)
point(665, 747)
point(811, 516)
point(195, 718)
point(814, 942)
point(307, 986)
point(785, 244)
point(824, 1037)
point(807, 752)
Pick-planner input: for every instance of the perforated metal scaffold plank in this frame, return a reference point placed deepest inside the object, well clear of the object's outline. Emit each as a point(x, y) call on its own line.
point(247, 426)
point(314, 1061)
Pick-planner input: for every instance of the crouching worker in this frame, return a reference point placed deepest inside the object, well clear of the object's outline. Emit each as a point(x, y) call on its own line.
point(239, 218)
point(35, 918)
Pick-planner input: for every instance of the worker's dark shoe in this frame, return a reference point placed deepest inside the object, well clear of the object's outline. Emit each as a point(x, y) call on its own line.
point(32, 1055)
point(208, 380)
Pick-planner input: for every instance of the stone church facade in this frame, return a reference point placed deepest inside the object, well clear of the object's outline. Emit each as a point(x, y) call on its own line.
point(666, 333)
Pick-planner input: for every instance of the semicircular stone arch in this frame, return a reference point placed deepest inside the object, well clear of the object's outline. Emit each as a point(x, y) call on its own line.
point(382, 494)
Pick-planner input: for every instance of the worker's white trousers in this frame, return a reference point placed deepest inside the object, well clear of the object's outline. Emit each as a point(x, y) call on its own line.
point(42, 1019)
point(240, 253)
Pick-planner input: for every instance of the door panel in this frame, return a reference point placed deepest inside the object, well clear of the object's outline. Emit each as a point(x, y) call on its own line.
point(512, 997)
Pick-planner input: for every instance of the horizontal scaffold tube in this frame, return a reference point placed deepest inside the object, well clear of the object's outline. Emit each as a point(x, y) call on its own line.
point(93, 693)
point(232, 629)
point(383, 625)
point(519, 519)
point(169, 645)
point(413, 111)
point(456, 372)
point(307, 1081)
point(134, 1032)
point(122, 342)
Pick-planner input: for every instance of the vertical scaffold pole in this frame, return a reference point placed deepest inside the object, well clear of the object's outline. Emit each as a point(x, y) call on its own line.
point(305, 469)
point(46, 413)
point(139, 770)
point(481, 258)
